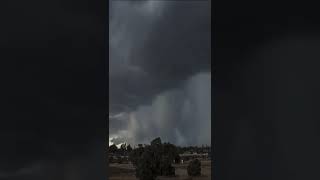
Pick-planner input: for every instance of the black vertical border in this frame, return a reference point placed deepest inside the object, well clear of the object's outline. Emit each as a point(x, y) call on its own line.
point(106, 75)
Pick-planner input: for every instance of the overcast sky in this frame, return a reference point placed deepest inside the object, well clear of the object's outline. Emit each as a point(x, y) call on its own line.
point(160, 71)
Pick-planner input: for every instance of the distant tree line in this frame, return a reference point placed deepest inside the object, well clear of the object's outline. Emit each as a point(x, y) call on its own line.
point(194, 149)
point(125, 149)
point(118, 155)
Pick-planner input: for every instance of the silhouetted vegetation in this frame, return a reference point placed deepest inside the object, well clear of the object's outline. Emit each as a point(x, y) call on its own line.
point(129, 148)
point(194, 168)
point(113, 149)
point(157, 158)
point(172, 149)
point(154, 160)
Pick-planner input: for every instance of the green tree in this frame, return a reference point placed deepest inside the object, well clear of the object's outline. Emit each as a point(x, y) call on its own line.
point(157, 150)
point(156, 142)
point(154, 160)
point(171, 151)
point(146, 166)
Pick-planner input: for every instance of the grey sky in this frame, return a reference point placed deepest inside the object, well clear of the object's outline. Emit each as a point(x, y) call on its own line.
point(159, 71)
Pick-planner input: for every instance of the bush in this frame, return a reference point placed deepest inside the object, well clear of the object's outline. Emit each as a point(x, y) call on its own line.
point(194, 168)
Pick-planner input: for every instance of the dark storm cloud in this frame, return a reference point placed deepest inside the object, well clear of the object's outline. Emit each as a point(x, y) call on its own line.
point(52, 75)
point(156, 49)
point(181, 116)
point(154, 46)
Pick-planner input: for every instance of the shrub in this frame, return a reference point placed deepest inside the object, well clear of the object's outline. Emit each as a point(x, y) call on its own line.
point(194, 168)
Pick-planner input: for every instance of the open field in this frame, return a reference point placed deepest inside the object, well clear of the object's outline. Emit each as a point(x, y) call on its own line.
point(126, 172)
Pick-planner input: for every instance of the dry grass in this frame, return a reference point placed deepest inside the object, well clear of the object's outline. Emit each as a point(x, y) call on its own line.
point(126, 172)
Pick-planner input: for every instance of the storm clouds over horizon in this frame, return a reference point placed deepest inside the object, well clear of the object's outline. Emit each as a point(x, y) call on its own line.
point(160, 71)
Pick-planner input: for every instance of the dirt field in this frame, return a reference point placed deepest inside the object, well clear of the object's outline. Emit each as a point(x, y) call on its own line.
point(126, 172)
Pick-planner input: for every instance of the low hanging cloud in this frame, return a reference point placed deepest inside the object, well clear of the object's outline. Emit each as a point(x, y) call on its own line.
point(160, 71)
